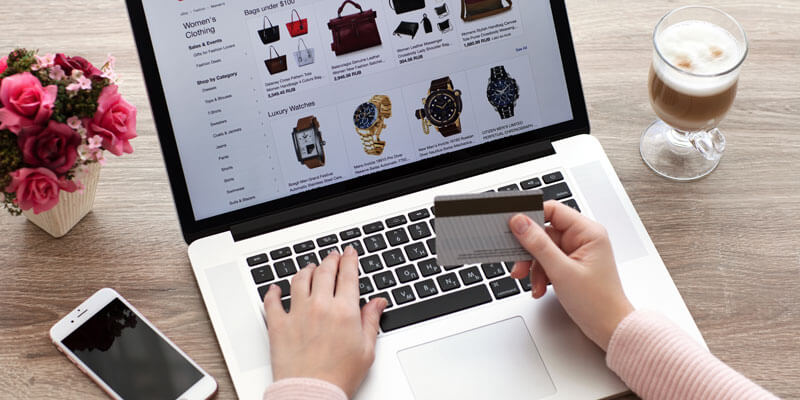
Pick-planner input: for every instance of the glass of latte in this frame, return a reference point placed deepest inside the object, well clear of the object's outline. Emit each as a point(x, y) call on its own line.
point(698, 53)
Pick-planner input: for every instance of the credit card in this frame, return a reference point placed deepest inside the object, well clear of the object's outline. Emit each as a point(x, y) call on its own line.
point(473, 228)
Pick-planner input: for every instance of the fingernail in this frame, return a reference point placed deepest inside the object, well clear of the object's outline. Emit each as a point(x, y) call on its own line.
point(384, 303)
point(520, 224)
point(349, 251)
point(334, 252)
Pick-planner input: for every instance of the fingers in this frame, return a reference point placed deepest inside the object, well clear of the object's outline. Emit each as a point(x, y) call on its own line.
point(301, 284)
point(347, 282)
point(324, 280)
point(520, 269)
point(370, 318)
point(272, 305)
point(563, 218)
point(539, 281)
point(537, 242)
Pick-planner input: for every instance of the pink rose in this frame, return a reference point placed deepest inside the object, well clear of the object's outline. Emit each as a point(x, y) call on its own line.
point(3, 64)
point(79, 63)
point(25, 102)
point(38, 188)
point(54, 147)
point(114, 121)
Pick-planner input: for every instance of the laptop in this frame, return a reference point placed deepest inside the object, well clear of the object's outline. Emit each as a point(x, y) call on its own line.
point(284, 142)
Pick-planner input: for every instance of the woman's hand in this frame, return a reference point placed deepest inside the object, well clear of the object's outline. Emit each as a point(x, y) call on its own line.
point(325, 335)
point(574, 253)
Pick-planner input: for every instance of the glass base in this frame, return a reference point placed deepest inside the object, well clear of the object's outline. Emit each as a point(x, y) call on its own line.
point(670, 154)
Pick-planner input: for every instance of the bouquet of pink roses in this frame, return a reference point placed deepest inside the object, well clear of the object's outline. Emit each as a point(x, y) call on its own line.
point(57, 115)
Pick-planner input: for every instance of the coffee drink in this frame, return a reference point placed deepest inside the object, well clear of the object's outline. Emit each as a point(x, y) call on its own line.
point(693, 80)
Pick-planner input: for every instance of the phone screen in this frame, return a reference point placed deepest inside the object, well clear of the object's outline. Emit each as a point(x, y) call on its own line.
point(130, 357)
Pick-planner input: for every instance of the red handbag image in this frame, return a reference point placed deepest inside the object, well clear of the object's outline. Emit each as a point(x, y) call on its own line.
point(355, 31)
point(299, 27)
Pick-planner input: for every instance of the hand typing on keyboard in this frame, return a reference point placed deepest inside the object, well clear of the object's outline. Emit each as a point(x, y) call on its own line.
point(574, 253)
point(325, 335)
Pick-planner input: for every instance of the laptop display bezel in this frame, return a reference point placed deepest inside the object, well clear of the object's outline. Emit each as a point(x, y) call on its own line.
point(306, 206)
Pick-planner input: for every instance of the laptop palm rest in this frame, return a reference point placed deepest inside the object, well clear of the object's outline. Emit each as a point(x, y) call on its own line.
point(497, 361)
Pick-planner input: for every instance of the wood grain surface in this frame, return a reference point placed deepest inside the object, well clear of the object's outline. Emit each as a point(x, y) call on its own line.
point(730, 241)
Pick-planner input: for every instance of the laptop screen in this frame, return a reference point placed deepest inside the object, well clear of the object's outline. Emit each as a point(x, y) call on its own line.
point(281, 98)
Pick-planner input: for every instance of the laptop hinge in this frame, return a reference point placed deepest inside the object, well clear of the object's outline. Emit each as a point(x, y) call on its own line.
point(398, 187)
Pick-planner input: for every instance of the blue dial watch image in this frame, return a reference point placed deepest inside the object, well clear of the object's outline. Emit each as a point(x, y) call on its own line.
point(502, 92)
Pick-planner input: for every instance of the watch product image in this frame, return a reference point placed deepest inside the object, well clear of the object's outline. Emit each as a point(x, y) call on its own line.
point(442, 108)
point(503, 92)
point(308, 143)
point(369, 119)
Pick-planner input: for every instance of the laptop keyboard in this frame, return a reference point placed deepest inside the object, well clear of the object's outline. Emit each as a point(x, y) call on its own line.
point(397, 261)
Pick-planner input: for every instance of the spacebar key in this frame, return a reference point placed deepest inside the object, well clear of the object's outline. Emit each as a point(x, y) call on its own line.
point(436, 307)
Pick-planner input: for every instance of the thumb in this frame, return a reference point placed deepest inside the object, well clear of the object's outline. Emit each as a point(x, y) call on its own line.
point(371, 316)
point(534, 239)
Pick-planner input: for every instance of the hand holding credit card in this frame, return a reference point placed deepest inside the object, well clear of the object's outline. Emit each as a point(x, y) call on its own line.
point(473, 228)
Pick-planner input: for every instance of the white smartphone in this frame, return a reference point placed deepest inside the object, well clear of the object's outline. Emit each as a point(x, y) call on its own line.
point(125, 354)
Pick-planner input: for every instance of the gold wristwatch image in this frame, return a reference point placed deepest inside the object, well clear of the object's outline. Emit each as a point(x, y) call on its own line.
point(369, 121)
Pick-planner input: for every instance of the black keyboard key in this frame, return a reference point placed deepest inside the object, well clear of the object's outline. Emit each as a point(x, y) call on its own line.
point(327, 240)
point(350, 234)
point(375, 243)
point(393, 257)
point(531, 184)
point(396, 221)
point(373, 227)
point(553, 178)
point(415, 251)
point(365, 286)
point(397, 236)
point(356, 246)
point(509, 188)
point(385, 296)
point(284, 285)
point(280, 253)
point(433, 224)
point(556, 192)
point(433, 210)
point(403, 295)
point(287, 304)
point(262, 274)
point(305, 259)
point(492, 270)
point(504, 287)
point(431, 244)
point(436, 307)
point(426, 288)
point(429, 267)
point(384, 280)
point(371, 264)
point(257, 259)
point(285, 268)
point(452, 267)
point(303, 247)
point(418, 215)
point(419, 230)
point(573, 204)
point(362, 302)
point(509, 265)
point(526, 283)
point(262, 291)
point(325, 252)
point(407, 274)
point(470, 275)
point(448, 282)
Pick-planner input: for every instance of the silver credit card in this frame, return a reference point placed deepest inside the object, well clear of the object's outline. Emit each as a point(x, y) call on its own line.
point(473, 228)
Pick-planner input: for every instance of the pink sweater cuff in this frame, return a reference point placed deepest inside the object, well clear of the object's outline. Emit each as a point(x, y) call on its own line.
point(657, 360)
point(304, 389)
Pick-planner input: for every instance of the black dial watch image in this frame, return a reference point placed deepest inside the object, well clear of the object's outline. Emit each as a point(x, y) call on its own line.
point(308, 142)
point(442, 108)
point(503, 92)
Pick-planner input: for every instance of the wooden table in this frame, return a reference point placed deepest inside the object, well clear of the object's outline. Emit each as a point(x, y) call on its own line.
point(730, 241)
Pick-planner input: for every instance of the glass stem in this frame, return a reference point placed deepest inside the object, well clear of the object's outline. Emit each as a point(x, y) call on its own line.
point(679, 138)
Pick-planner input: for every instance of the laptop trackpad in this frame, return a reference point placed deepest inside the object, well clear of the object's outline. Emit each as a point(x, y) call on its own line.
point(498, 361)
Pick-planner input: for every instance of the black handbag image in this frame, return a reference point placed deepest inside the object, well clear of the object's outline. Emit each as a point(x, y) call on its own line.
point(407, 28)
point(269, 34)
point(404, 6)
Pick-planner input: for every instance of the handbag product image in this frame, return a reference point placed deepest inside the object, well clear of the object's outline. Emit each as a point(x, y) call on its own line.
point(271, 34)
point(407, 28)
point(276, 64)
point(472, 10)
point(404, 6)
point(426, 24)
point(355, 31)
point(304, 56)
point(444, 26)
point(299, 27)
point(442, 11)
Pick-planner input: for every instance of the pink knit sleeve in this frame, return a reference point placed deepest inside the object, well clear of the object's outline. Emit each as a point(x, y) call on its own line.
point(303, 389)
point(657, 360)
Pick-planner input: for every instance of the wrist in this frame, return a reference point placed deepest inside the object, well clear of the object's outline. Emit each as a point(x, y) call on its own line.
point(622, 311)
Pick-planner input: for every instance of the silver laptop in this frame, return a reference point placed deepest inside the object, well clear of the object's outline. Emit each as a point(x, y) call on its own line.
point(292, 128)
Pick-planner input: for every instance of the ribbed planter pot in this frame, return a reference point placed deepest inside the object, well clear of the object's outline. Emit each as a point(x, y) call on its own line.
point(71, 207)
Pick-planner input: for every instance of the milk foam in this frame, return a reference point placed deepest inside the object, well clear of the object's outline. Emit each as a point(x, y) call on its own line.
point(700, 48)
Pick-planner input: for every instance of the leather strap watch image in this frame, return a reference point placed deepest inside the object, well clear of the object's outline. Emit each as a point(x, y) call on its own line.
point(308, 143)
point(370, 120)
point(441, 108)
